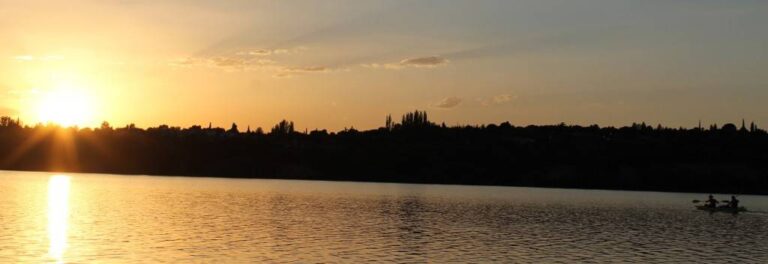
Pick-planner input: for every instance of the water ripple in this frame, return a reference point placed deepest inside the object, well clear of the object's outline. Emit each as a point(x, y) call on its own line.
point(156, 220)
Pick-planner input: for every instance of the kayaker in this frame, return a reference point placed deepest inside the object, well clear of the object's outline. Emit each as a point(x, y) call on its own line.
point(711, 202)
point(734, 202)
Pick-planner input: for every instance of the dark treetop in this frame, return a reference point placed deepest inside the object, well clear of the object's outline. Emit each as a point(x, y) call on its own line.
point(728, 159)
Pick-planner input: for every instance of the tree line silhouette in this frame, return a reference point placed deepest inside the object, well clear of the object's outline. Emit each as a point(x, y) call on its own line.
point(726, 159)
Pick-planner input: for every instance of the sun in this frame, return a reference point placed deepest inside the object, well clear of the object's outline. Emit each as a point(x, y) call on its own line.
point(65, 106)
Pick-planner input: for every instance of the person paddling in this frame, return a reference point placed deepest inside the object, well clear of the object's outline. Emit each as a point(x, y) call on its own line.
point(734, 202)
point(711, 202)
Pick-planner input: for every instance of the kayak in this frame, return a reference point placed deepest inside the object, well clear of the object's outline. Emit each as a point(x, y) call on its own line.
point(723, 209)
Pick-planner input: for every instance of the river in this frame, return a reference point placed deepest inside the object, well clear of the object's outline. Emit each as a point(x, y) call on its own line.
point(85, 218)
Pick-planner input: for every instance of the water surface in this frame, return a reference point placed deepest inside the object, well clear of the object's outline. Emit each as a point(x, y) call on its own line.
point(88, 218)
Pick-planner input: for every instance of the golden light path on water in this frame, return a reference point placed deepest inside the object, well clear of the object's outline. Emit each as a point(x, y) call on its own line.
point(58, 213)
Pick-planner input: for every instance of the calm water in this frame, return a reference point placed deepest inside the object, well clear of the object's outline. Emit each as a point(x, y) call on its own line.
point(87, 218)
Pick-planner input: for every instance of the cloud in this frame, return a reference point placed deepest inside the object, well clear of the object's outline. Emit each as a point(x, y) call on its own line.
point(236, 62)
point(257, 52)
point(268, 52)
point(497, 100)
point(248, 59)
point(424, 61)
point(24, 58)
point(254, 59)
point(229, 62)
point(418, 62)
point(449, 102)
point(294, 71)
point(503, 98)
point(27, 57)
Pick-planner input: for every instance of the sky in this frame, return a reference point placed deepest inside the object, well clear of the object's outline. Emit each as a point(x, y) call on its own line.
point(338, 64)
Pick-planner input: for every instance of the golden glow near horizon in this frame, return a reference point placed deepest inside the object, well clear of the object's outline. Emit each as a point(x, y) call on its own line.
point(58, 214)
point(350, 63)
point(64, 95)
point(65, 106)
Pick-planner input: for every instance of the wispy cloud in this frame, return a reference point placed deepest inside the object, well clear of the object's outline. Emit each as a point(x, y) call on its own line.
point(268, 52)
point(294, 71)
point(418, 62)
point(256, 59)
point(503, 98)
point(27, 57)
point(449, 102)
point(261, 52)
point(424, 61)
point(224, 62)
point(247, 59)
point(497, 99)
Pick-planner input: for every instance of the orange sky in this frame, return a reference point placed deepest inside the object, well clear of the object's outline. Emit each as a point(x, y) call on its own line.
point(336, 64)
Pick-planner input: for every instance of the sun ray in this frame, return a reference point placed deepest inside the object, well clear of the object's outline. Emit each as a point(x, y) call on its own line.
point(32, 141)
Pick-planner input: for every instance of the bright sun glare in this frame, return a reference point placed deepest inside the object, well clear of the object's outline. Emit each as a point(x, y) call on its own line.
point(65, 106)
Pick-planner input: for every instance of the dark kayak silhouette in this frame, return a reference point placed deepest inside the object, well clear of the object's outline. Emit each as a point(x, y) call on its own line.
point(728, 206)
point(724, 209)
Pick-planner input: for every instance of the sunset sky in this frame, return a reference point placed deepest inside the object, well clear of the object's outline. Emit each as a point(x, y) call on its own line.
point(335, 64)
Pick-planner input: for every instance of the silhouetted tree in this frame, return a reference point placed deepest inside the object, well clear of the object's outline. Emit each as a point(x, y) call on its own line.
point(634, 157)
point(318, 133)
point(105, 126)
point(233, 129)
point(283, 128)
point(417, 119)
point(7, 121)
point(729, 128)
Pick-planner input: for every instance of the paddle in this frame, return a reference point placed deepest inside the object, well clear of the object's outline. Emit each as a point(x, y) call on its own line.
point(724, 201)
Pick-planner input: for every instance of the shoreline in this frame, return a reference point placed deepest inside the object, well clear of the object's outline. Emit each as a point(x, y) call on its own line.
point(384, 182)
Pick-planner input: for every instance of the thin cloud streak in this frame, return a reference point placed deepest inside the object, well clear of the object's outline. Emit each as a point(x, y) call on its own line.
point(246, 59)
point(418, 62)
point(449, 102)
point(497, 99)
point(38, 58)
point(294, 71)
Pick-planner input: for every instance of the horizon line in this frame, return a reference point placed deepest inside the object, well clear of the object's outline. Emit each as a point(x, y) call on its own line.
point(210, 125)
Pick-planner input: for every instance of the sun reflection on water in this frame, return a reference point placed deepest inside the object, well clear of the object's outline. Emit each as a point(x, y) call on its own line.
point(58, 212)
